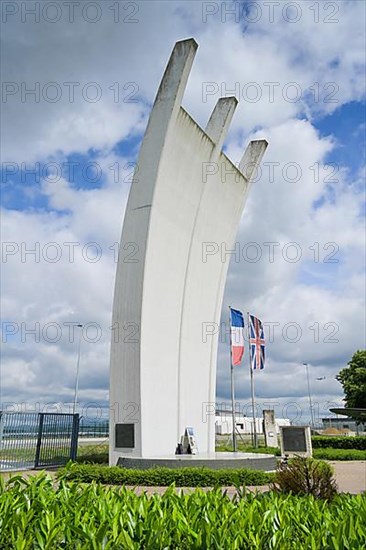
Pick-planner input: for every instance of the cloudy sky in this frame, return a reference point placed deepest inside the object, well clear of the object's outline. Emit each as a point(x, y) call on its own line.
point(79, 79)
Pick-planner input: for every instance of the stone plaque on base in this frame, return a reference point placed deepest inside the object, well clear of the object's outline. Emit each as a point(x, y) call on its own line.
point(296, 441)
point(125, 436)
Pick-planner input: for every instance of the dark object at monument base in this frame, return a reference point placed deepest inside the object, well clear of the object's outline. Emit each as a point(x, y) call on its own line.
point(179, 449)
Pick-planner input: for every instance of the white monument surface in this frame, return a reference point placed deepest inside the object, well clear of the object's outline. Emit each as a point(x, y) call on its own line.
point(186, 193)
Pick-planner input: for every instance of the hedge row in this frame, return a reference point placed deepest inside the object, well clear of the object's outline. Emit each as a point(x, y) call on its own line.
point(35, 515)
point(94, 458)
point(343, 442)
point(339, 454)
point(249, 449)
point(181, 477)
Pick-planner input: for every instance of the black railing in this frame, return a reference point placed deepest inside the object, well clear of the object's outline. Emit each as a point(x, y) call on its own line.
point(93, 429)
point(34, 440)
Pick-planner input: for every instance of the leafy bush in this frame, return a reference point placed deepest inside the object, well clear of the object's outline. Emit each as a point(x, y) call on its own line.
point(181, 477)
point(343, 442)
point(305, 476)
point(339, 454)
point(34, 514)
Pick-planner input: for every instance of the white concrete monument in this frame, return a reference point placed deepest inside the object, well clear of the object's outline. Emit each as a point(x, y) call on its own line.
point(186, 195)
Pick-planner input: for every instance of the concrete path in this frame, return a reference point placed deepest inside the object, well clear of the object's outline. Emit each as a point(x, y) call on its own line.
point(350, 477)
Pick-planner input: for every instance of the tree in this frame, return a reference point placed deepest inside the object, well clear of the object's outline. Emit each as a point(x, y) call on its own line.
point(353, 380)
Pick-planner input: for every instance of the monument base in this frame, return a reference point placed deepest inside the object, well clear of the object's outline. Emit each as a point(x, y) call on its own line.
point(215, 461)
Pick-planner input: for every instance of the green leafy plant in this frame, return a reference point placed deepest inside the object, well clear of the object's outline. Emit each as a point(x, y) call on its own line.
point(39, 514)
point(305, 476)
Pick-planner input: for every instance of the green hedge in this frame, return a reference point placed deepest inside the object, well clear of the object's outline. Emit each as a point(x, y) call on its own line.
point(249, 449)
point(35, 515)
point(339, 454)
point(97, 454)
point(93, 458)
point(343, 442)
point(181, 477)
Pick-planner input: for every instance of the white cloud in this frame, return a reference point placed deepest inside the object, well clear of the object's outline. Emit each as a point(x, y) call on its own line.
point(306, 53)
point(278, 211)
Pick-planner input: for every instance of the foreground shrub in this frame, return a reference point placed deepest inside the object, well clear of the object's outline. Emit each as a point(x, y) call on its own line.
point(339, 454)
point(343, 442)
point(181, 477)
point(305, 476)
point(34, 514)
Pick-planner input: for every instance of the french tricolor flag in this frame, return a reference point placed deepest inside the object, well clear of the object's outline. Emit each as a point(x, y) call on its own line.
point(237, 336)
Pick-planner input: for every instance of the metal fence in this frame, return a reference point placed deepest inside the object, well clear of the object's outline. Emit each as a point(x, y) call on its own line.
point(35, 440)
point(88, 428)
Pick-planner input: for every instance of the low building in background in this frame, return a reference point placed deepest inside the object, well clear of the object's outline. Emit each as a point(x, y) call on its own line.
point(342, 426)
point(244, 424)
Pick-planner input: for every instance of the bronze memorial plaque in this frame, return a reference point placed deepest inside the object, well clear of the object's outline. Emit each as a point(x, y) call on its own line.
point(294, 439)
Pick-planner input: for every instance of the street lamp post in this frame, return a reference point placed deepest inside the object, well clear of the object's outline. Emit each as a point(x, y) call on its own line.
point(321, 378)
point(77, 371)
point(309, 392)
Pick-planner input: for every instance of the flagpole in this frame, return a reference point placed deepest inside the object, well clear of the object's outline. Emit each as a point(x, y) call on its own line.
point(252, 385)
point(232, 387)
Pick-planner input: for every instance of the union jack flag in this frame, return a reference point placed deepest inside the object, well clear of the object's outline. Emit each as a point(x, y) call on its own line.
point(257, 343)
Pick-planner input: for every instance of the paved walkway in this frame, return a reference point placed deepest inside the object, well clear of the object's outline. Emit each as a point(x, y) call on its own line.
point(350, 477)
